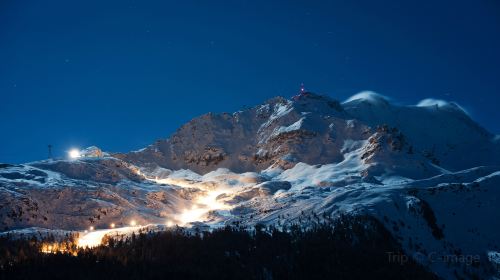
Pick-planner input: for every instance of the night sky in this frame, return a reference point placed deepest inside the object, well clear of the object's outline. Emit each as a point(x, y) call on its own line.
point(121, 74)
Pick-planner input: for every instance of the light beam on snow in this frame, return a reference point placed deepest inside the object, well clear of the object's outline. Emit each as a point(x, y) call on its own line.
point(94, 238)
point(202, 205)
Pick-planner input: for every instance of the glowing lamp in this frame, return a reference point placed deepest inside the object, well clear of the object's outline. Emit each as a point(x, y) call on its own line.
point(74, 153)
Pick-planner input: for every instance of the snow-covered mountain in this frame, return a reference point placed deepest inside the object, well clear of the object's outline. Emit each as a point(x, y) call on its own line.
point(428, 172)
point(316, 129)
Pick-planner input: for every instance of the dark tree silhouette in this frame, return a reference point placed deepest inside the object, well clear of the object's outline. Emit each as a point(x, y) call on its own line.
point(344, 248)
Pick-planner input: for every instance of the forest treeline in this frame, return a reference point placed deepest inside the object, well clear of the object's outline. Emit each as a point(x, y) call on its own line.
point(347, 248)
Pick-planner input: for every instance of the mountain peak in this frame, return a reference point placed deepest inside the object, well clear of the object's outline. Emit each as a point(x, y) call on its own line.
point(314, 129)
point(368, 97)
point(442, 104)
point(308, 95)
point(305, 98)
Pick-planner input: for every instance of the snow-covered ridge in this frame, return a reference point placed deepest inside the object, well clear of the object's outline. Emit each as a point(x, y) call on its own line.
point(312, 128)
point(428, 172)
point(368, 96)
point(302, 194)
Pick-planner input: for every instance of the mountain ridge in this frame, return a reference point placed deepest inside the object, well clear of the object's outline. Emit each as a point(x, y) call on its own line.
point(428, 173)
point(258, 137)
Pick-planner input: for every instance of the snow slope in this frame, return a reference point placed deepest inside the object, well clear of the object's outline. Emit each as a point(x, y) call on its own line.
point(428, 172)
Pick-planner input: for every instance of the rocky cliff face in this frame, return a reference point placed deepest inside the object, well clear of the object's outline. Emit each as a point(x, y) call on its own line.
point(315, 129)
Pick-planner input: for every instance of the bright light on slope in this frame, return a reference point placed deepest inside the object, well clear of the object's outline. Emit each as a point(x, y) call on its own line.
point(202, 204)
point(93, 238)
point(74, 153)
point(192, 215)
